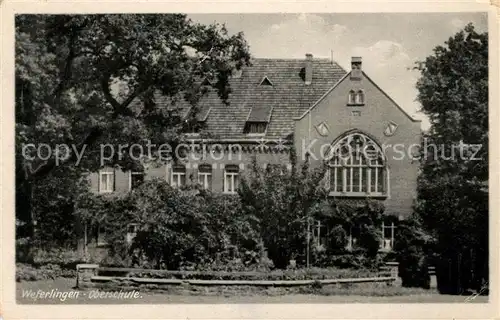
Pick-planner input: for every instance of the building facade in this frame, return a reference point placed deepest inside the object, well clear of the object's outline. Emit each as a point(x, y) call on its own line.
point(335, 116)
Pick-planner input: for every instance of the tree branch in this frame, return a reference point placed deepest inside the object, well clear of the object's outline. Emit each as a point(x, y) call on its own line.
point(67, 71)
point(44, 168)
point(119, 108)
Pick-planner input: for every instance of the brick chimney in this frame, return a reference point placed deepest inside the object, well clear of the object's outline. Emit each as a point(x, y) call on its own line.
point(356, 71)
point(309, 69)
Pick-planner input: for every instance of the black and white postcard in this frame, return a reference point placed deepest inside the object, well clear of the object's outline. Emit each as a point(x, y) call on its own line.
point(249, 160)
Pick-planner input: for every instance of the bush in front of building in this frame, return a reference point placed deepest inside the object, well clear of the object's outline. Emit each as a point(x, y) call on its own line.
point(174, 228)
point(264, 226)
point(348, 221)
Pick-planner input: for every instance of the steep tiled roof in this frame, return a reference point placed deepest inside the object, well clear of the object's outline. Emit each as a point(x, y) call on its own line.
point(288, 97)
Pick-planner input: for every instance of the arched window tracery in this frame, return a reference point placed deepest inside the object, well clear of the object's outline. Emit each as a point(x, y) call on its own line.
point(357, 166)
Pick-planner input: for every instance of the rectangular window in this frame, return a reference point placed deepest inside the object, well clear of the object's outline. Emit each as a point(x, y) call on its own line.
point(356, 113)
point(131, 232)
point(256, 127)
point(359, 179)
point(106, 181)
point(101, 236)
point(387, 241)
point(205, 176)
point(231, 179)
point(136, 179)
point(178, 178)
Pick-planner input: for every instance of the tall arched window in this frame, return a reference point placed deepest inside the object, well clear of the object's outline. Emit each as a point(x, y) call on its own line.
point(357, 167)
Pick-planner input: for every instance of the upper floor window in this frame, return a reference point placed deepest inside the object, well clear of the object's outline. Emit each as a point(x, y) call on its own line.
point(136, 178)
point(357, 167)
point(356, 98)
point(205, 176)
point(360, 97)
point(106, 181)
point(256, 127)
point(178, 176)
point(352, 97)
point(231, 179)
point(258, 119)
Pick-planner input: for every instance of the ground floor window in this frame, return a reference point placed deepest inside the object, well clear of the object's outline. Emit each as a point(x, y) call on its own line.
point(178, 177)
point(231, 179)
point(101, 235)
point(388, 231)
point(131, 232)
point(205, 176)
point(106, 181)
point(135, 179)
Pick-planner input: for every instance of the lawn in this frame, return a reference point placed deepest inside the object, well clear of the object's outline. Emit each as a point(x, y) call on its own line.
point(389, 294)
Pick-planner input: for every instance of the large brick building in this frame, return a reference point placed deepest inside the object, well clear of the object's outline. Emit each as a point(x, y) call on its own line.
point(318, 107)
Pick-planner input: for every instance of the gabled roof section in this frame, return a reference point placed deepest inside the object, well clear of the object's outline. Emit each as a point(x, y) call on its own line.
point(392, 100)
point(260, 113)
point(342, 79)
point(321, 98)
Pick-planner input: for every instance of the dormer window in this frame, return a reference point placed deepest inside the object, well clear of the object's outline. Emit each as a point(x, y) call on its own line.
point(256, 127)
point(194, 125)
point(266, 82)
point(257, 120)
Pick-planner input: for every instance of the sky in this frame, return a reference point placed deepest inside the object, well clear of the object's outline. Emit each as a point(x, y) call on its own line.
point(389, 43)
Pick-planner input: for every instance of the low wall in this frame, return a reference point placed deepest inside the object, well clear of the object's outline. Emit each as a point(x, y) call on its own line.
point(87, 276)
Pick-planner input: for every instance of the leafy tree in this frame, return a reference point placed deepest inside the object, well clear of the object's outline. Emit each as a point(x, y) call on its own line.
point(412, 251)
point(87, 79)
point(453, 184)
point(284, 203)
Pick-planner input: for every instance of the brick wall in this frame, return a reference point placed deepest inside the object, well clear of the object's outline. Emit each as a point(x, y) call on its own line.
point(377, 112)
point(241, 159)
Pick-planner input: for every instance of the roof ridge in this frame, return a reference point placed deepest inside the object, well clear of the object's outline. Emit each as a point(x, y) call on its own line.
point(293, 59)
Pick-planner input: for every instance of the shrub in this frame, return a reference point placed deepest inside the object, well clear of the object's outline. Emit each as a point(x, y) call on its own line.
point(191, 229)
point(26, 272)
point(252, 274)
point(176, 228)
